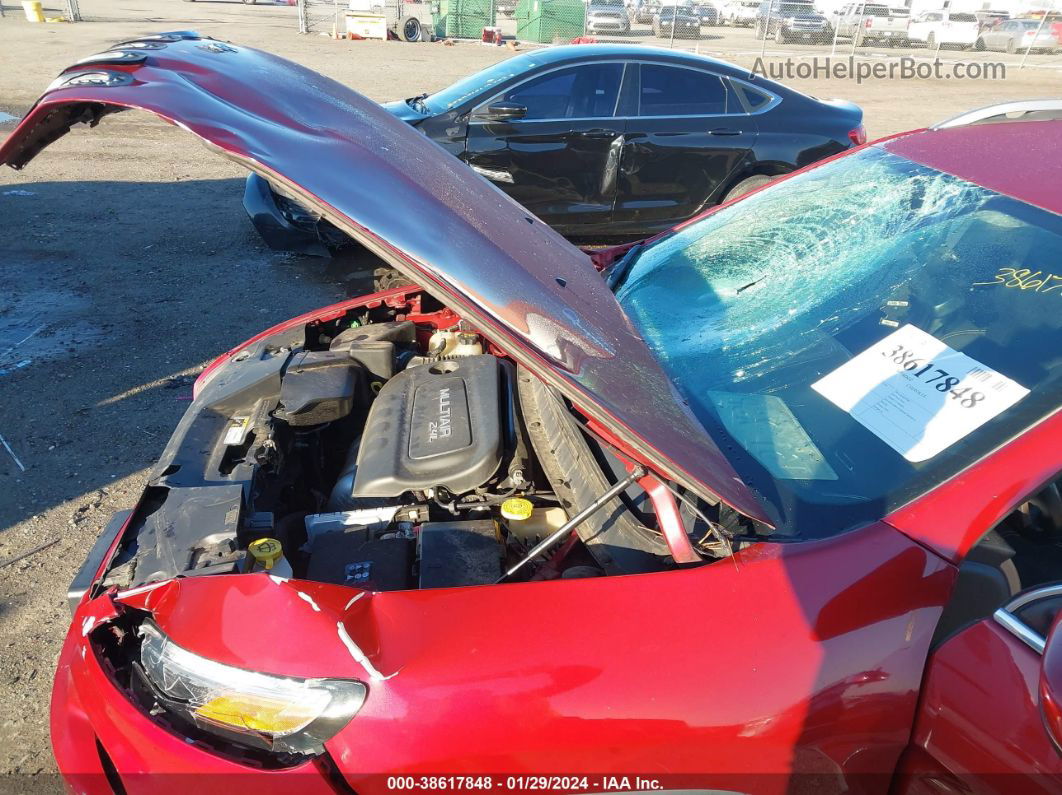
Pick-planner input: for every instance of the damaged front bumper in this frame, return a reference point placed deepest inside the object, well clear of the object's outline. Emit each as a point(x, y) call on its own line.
point(97, 732)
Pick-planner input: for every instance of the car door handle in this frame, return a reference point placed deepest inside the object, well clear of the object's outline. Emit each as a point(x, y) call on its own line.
point(724, 131)
point(597, 133)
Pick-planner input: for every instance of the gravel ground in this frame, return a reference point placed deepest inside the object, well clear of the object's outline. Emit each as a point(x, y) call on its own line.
point(126, 263)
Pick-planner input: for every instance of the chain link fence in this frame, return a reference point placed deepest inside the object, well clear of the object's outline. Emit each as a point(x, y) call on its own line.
point(791, 38)
point(931, 39)
point(408, 21)
point(68, 9)
point(320, 16)
point(788, 39)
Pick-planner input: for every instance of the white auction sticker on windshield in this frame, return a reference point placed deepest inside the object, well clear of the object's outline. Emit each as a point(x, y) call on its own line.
point(916, 394)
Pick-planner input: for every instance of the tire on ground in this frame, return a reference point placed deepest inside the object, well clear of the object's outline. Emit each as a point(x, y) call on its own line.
point(747, 185)
point(410, 29)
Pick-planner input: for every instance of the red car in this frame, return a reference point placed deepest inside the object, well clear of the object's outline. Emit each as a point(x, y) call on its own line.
point(768, 505)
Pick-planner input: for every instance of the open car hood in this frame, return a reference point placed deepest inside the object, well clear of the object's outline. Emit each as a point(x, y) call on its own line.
point(420, 209)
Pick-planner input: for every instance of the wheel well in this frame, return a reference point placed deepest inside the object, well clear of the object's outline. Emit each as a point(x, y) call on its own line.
point(759, 169)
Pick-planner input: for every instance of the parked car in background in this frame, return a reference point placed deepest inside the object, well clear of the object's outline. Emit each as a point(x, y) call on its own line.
point(739, 13)
point(791, 20)
point(871, 23)
point(678, 21)
point(607, 16)
point(1015, 35)
point(943, 28)
point(612, 141)
point(804, 451)
point(708, 14)
point(645, 10)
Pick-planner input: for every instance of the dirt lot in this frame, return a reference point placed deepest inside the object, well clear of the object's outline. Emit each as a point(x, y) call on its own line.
point(126, 262)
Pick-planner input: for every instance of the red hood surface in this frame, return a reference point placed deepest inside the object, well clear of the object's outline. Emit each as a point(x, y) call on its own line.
point(420, 209)
point(998, 156)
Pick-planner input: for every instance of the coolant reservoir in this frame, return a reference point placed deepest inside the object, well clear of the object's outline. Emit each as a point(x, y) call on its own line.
point(539, 524)
point(468, 345)
point(442, 343)
point(454, 343)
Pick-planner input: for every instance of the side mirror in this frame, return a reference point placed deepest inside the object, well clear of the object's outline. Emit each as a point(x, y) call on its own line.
point(505, 111)
point(1051, 684)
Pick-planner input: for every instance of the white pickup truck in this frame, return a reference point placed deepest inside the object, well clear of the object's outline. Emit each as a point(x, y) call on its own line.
point(943, 28)
point(869, 23)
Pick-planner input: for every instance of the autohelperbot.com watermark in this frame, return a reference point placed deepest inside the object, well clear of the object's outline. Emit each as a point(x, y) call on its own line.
point(860, 69)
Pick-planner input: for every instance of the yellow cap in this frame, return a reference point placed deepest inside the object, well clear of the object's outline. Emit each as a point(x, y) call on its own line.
point(517, 509)
point(266, 551)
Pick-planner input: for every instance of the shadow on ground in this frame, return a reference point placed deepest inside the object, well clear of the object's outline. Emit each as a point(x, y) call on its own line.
point(114, 296)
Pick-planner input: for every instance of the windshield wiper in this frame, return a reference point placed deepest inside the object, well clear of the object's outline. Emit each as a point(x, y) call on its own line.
point(751, 284)
point(618, 270)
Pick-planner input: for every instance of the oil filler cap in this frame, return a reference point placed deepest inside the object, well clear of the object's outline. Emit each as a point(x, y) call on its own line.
point(266, 551)
point(517, 509)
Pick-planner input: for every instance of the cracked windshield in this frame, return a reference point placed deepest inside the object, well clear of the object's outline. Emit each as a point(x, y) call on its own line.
point(857, 334)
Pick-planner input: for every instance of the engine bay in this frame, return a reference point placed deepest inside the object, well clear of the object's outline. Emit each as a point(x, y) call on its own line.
point(393, 447)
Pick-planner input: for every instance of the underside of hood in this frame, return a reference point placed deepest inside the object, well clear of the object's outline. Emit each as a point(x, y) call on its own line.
point(420, 209)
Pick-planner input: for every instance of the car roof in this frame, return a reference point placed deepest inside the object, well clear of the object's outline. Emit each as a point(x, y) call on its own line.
point(1015, 158)
point(574, 52)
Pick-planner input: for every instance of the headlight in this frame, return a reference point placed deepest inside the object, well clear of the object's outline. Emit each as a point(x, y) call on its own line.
point(259, 710)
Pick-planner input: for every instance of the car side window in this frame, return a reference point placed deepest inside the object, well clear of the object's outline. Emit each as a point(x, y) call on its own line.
point(587, 91)
point(668, 91)
point(754, 98)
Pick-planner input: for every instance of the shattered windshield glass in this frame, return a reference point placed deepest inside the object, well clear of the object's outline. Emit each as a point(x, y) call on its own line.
point(857, 334)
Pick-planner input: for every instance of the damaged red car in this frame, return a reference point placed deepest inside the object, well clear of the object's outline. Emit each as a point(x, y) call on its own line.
point(768, 501)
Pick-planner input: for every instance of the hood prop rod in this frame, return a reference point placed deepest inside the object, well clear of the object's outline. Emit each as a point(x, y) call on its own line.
point(565, 529)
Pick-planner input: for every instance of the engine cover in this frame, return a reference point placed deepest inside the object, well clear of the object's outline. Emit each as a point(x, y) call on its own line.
point(437, 424)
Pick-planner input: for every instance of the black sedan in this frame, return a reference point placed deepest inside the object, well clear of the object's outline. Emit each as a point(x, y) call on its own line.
point(604, 142)
point(679, 22)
